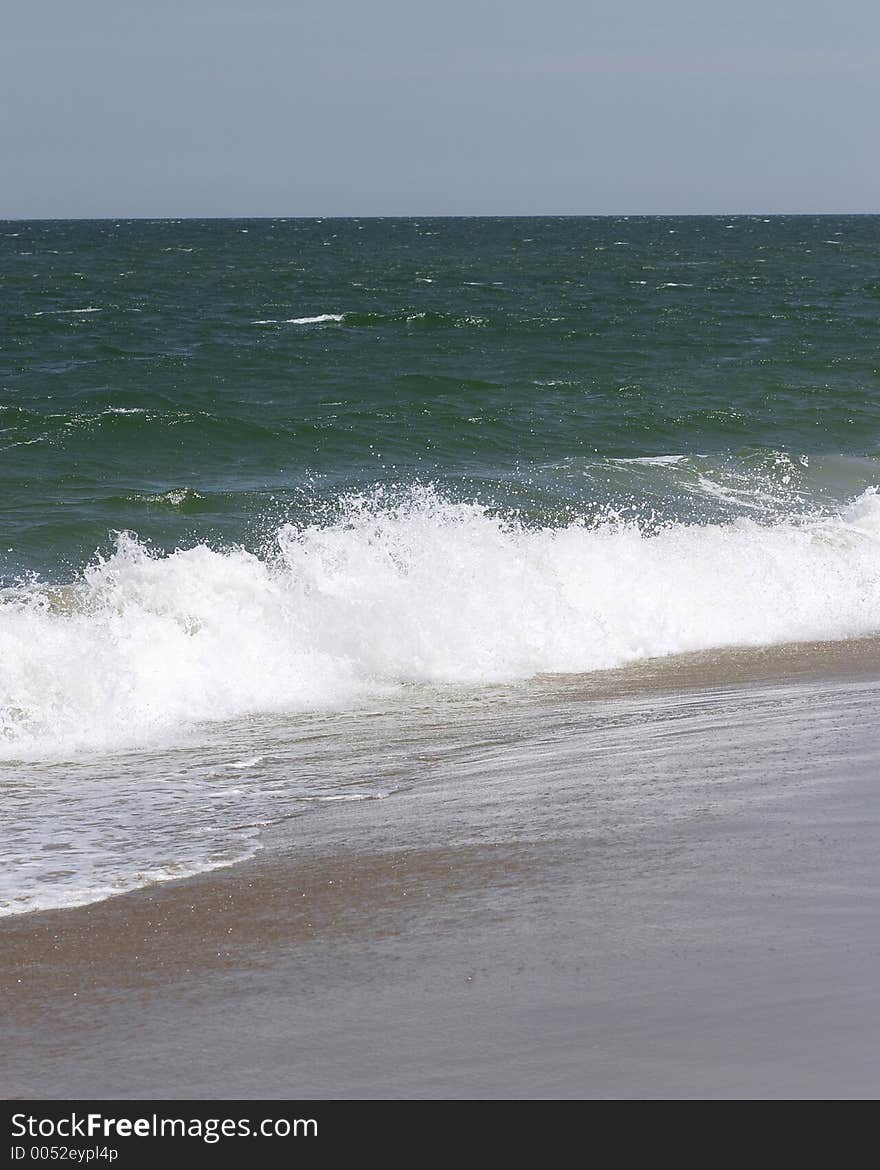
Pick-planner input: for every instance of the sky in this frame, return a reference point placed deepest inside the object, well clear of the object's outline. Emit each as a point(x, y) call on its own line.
point(470, 107)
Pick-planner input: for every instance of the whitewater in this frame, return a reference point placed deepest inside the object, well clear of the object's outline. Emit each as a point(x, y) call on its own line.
point(386, 595)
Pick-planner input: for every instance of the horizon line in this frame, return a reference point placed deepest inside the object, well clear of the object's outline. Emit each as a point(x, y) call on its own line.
point(450, 215)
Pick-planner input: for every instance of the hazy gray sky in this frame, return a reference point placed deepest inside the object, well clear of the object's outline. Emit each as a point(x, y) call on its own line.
point(205, 107)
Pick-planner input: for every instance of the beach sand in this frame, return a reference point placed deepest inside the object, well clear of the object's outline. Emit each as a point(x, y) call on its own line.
point(654, 882)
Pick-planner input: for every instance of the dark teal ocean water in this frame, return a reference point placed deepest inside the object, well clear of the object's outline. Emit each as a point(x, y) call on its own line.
point(289, 506)
point(204, 380)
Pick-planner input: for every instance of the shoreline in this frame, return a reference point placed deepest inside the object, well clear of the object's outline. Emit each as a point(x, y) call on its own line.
point(847, 658)
point(715, 670)
point(689, 911)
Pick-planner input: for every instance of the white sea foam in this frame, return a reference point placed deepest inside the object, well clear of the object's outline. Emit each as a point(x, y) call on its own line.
point(20, 897)
point(24, 443)
point(423, 591)
point(319, 320)
point(62, 312)
point(653, 460)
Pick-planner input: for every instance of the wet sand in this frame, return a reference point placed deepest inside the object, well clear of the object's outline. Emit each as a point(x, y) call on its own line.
point(652, 890)
point(856, 658)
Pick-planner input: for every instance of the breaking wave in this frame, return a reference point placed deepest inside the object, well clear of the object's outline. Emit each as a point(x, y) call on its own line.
point(385, 594)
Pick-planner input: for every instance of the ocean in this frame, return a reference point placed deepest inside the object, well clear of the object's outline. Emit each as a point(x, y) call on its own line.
point(298, 513)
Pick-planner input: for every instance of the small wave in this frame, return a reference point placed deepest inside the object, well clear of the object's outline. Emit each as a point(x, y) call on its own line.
point(24, 443)
point(59, 312)
point(764, 482)
point(34, 424)
point(180, 499)
point(412, 318)
point(653, 460)
point(319, 320)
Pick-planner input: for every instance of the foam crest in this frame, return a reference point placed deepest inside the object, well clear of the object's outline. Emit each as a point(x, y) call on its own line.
point(422, 591)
